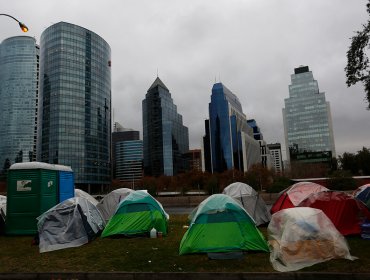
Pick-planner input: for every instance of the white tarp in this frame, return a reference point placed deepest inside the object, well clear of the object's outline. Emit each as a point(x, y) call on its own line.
point(108, 205)
point(303, 236)
point(71, 223)
point(252, 202)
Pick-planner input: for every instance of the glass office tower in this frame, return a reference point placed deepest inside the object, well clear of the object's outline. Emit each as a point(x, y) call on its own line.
point(19, 72)
point(129, 161)
point(307, 118)
point(75, 94)
point(228, 143)
point(165, 138)
point(127, 154)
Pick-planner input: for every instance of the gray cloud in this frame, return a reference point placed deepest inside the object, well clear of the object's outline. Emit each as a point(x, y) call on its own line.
point(251, 46)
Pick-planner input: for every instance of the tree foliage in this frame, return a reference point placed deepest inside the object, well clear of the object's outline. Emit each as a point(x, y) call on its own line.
point(357, 164)
point(357, 69)
point(341, 180)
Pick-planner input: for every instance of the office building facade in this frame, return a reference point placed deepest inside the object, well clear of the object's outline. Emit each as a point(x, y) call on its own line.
point(165, 138)
point(277, 158)
point(75, 103)
point(266, 157)
point(257, 134)
point(129, 161)
point(228, 142)
point(307, 118)
point(19, 79)
point(127, 155)
point(194, 158)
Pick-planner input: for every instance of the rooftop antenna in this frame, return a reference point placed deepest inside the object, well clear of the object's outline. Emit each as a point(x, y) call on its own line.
point(157, 72)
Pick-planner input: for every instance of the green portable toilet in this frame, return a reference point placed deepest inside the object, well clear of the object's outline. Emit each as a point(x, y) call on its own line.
point(32, 189)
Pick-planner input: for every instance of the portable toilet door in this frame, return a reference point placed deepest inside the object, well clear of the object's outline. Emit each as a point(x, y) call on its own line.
point(66, 182)
point(31, 190)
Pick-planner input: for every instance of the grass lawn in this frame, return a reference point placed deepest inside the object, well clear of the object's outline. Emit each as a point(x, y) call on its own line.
point(17, 254)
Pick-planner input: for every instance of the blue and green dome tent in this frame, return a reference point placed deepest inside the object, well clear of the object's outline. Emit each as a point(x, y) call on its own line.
point(137, 214)
point(220, 225)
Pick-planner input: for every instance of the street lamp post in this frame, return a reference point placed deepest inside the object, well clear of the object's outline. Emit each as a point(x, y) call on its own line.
point(21, 25)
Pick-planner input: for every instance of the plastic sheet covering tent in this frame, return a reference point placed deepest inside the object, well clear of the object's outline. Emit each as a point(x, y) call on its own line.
point(2, 213)
point(293, 195)
point(303, 236)
point(108, 205)
point(3, 205)
point(220, 225)
point(136, 215)
point(250, 200)
point(71, 223)
point(363, 194)
point(81, 193)
point(346, 213)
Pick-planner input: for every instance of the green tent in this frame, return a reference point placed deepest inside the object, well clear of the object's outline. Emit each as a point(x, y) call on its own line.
point(137, 214)
point(220, 225)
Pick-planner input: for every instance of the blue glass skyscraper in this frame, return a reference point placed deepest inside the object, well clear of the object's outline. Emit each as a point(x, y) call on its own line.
point(228, 143)
point(19, 72)
point(75, 94)
point(165, 138)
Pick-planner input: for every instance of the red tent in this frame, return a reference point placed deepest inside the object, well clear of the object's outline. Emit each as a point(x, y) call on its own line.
point(342, 209)
point(293, 195)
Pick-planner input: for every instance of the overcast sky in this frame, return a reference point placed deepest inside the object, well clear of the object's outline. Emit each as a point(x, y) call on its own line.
point(251, 46)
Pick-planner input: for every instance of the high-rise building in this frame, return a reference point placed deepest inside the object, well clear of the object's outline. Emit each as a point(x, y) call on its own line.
point(129, 161)
point(19, 74)
point(165, 138)
point(127, 155)
point(307, 119)
point(228, 142)
point(257, 134)
point(266, 156)
point(194, 159)
point(75, 103)
point(121, 134)
point(277, 163)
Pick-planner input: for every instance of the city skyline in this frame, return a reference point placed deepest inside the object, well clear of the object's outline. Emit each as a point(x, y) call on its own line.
point(251, 47)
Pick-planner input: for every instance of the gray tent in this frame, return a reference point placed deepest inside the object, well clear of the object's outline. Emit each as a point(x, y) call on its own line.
point(108, 205)
point(71, 223)
point(252, 202)
point(81, 193)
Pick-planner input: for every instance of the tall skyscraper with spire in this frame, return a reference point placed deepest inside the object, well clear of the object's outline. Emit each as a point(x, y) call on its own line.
point(75, 94)
point(165, 138)
point(307, 118)
point(19, 74)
